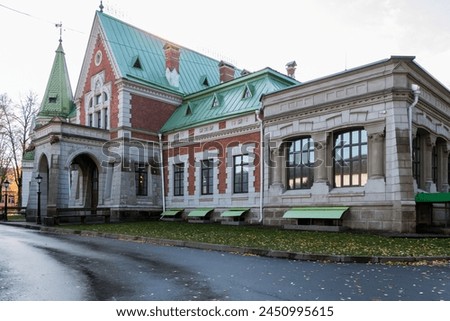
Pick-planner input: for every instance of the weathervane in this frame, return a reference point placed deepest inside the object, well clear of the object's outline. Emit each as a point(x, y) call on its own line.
point(59, 25)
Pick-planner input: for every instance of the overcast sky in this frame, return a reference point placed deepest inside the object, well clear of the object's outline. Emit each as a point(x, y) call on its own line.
point(323, 37)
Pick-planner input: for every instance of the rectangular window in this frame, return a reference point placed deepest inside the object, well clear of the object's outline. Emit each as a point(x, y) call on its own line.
point(350, 159)
point(300, 164)
point(240, 174)
point(141, 178)
point(106, 119)
point(98, 99)
point(178, 179)
point(90, 120)
point(207, 177)
point(99, 120)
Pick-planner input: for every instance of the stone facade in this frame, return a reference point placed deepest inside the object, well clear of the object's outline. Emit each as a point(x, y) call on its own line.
point(375, 98)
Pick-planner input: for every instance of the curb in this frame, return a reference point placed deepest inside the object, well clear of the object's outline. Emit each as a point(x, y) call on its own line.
point(238, 250)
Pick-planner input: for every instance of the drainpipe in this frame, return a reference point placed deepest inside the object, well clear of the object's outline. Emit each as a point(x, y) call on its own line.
point(161, 169)
point(416, 90)
point(261, 165)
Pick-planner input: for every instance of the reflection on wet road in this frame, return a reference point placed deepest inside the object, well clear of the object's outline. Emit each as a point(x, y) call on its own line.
point(39, 266)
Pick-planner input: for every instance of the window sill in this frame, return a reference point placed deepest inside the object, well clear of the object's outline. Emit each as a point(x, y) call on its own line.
point(347, 192)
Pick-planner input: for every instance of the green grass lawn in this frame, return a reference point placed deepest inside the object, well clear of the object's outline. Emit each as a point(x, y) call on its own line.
point(329, 243)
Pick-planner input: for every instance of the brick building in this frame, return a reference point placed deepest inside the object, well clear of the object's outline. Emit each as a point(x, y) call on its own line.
point(154, 127)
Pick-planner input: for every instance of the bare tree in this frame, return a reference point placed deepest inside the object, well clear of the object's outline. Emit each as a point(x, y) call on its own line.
point(17, 122)
point(5, 154)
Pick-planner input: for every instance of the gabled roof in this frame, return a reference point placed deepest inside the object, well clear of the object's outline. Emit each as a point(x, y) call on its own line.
point(233, 99)
point(139, 56)
point(58, 97)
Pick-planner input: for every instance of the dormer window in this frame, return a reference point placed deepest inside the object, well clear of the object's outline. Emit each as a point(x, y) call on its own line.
point(137, 63)
point(215, 102)
point(52, 98)
point(204, 81)
point(188, 110)
point(247, 92)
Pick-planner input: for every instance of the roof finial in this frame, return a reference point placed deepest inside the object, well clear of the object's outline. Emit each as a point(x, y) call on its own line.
point(101, 6)
point(59, 25)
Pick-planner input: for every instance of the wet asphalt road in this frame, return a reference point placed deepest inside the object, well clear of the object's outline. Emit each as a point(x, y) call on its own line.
point(39, 266)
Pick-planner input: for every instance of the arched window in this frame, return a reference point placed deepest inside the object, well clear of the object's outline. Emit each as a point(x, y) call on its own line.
point(300, 163)
point(350, 158)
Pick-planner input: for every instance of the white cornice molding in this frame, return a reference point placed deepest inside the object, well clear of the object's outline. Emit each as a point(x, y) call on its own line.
point(149, 92)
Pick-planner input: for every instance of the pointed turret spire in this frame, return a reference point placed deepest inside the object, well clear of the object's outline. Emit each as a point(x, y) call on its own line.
point(58, 97)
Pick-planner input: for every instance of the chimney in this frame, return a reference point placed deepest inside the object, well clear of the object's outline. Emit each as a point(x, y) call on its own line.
point(172, 53)
point(226, 71)
point(290, 68)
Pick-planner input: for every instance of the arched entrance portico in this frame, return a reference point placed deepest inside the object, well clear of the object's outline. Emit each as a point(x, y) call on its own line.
point(84, 182)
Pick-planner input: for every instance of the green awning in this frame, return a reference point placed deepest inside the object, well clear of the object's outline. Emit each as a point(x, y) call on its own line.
point(200, 212)
point(433, 198)
point(316, 212)
point(172, 212)
point(234, 212)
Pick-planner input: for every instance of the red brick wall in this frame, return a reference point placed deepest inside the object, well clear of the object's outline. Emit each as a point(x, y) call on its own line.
point(149, 114)
point(105, 66)
point(221, 146)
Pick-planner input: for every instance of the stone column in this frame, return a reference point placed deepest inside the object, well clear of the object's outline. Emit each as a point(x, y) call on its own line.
point(376, 155)
point(276, 164)
point(321, 182)
point(443, 168)
point(428, 144)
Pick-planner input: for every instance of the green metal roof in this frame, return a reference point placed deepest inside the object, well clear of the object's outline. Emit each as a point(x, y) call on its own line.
point(230, 99)
point(433, 197)
point(129, 43)
point(58, 97)
point(316, 212)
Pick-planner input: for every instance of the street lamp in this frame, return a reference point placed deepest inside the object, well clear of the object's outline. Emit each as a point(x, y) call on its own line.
point(39, 181)
point(6, 186)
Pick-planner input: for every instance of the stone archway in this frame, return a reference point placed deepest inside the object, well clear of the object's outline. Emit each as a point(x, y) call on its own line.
point(84, 182)
point(43, 171)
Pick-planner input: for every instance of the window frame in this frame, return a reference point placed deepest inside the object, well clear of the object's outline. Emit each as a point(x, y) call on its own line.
point(207, 177)
point(303, 171)
point(178, 179)
point(241, 177)
point(345, 166)
point(141, 180)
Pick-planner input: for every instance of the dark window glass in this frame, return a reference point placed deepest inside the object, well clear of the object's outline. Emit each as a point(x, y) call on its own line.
point(300, 164)
point(240, 174)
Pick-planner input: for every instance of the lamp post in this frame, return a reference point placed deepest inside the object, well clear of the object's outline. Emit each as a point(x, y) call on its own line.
point(6, 186)
point(39, 181)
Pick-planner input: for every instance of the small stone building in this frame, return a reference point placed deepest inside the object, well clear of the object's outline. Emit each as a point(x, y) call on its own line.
point(369, 138)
